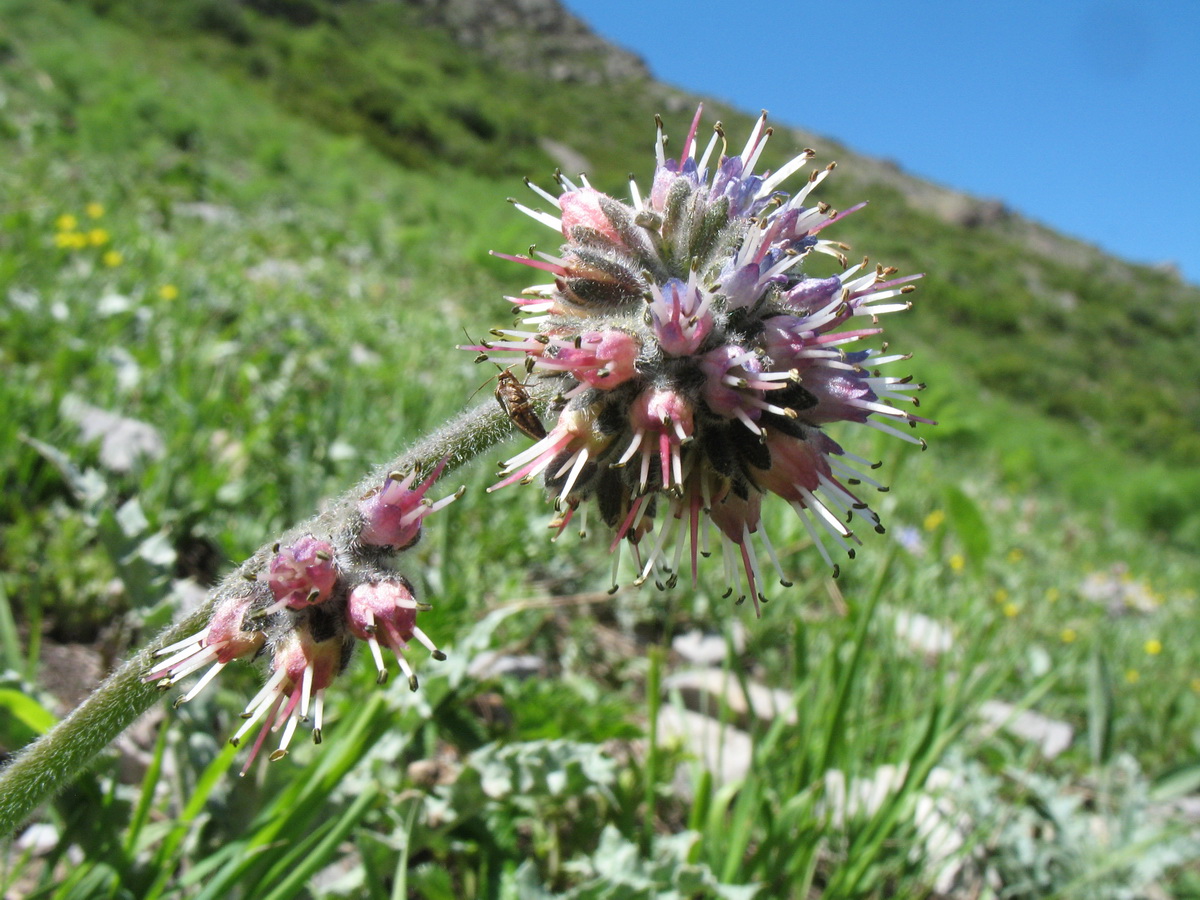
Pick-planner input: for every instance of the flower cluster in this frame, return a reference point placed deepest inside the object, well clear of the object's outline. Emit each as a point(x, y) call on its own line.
point(695, 366)
point(305, 604)
point(71, 234)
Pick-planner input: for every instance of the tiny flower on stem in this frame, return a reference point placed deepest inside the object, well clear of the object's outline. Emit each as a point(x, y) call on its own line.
point(307, 602)
point(392, 514)
point(231, 634)
point(304, 663)
point(386, 611)
point(301, 575)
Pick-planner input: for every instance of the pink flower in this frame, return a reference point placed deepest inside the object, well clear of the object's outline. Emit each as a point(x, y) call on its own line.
point(741, 361)
point(387, 611)
point(226, 638)
point(302, 575)
point(392, 514)
point(302, 668)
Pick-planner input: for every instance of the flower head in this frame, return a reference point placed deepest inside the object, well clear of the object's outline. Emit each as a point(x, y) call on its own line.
point(696, 365)
point(232, 632)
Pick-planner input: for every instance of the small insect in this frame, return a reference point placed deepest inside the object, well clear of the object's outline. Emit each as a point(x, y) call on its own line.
point(514, 400)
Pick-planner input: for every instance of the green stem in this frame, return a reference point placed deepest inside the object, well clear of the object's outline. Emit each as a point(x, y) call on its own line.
point(51, 762)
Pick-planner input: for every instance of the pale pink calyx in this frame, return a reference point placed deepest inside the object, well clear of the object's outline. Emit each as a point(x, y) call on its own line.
point(581, 208)
point(224, 640)
point(385, 612)
point(392, 515)
point(302, 574)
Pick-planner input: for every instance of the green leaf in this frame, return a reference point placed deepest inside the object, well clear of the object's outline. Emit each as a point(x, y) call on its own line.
point(1100, 709)
point(10, 644)
point(969, 524)
point(1176, 782)
point(23, 719)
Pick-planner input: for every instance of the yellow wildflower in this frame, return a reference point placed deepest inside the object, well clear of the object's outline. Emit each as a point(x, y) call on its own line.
point(66, 222)
point(112, 258)
point(97, 237)
point(1001, 595)
point(934, 520)
point(168, 292)
point(64, 239)
point(957, 563)
point(1068, 635)
point(1133, 676)
point(94, 210)
point(1011, 610)
point(1153, 646)
point(1015, 555)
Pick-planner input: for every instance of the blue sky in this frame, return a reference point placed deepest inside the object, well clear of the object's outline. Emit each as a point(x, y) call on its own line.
point(1081, 114)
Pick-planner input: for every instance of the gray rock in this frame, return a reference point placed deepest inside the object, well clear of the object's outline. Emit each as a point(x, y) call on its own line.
point(123, 441)
point(724, 750)
point(1051, 735)
point(707, 648)
point(920, 633)
point(538, 36)
point(705, 690)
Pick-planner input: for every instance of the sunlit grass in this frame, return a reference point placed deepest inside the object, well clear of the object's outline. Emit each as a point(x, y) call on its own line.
point(281, 306)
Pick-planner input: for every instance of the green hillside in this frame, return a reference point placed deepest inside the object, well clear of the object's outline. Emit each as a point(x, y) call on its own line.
point(1068, 335)
point(256, 231)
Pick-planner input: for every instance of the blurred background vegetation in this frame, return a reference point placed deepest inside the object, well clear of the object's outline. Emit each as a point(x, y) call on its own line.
point(238, 243)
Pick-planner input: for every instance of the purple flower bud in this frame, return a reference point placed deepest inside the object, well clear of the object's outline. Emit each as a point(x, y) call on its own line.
point(225, 639)
point(386, 612)
point(393, 514)
point(302, 575)
point(810, 294)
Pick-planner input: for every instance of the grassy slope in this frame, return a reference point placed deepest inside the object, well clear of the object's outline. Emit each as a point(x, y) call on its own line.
point(1091, 351)
point(317, 269)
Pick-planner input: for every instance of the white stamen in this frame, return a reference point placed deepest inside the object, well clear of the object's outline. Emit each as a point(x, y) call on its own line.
point(545, 195)
point(635, 195)
point(377, 655)
point(712, 145)
point(804, 517)
point(306, 690)
point(895, 432)
point(290, 730)
point(545, 218)
point(186, 642)
point(580, 462)
point(203, 682)
point(785, 171)
point(752, 142)
point(267, 690)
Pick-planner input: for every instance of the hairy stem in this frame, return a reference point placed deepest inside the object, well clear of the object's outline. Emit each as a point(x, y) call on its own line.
point(51, 762)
